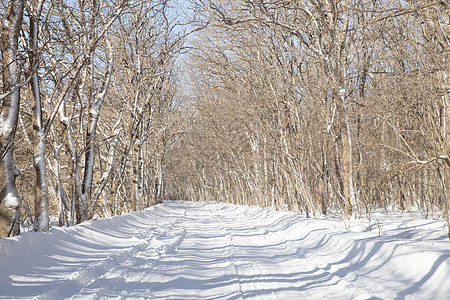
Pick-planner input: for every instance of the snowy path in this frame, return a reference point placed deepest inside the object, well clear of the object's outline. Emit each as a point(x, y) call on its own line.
point(185, 250)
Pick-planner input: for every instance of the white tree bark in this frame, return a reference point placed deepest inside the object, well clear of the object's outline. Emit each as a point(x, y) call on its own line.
point(9, 200)
point(42, 221)
point(351, 186)
point(94, 115)
point(110, 165)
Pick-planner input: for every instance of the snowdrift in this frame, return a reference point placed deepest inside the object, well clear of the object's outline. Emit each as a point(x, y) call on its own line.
point(189, 250)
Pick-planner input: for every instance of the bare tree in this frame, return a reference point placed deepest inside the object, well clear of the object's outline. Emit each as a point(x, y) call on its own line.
point(11, 83)
point(42, 221)
point(341, 103)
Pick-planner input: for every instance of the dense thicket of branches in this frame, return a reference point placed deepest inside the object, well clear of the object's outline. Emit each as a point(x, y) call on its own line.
point(319, 103)
point(304, 105)
point(88, 101)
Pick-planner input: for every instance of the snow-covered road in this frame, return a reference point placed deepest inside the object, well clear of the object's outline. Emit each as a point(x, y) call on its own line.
point(186, 250)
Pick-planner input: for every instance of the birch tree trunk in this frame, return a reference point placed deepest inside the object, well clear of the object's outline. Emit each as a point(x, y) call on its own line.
point(41, 195)
point(9, 200)
point(347, 160)
point(94, 114)
point(110, 166)
point(446, 131)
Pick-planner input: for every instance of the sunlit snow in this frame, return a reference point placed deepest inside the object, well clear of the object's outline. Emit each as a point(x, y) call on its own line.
point(188, 250)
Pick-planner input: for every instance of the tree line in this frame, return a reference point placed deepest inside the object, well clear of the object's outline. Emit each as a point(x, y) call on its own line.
point(88, 106)
point(313, 104)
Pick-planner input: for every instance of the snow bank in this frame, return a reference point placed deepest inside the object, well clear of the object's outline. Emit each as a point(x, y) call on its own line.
point(187, 250)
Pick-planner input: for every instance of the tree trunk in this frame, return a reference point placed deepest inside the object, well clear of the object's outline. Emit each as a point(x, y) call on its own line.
point(110, 166)
point(445, 129)
point(42, 221)
point(9, 200)
point(94, 115)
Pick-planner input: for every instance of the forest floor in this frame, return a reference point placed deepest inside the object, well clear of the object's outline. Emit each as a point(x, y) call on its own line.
point(189, 250)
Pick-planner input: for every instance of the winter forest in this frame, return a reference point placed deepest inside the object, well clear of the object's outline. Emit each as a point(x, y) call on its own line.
point(110, 106)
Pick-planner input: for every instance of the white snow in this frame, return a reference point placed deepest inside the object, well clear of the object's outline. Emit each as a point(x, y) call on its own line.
point(188, 250)
point(11, 201)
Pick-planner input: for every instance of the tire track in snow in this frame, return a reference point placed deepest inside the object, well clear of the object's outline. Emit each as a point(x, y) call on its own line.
point(262, 273)
point(232, 251)
point(153, 243)
point(163, 239)
point(201, 264)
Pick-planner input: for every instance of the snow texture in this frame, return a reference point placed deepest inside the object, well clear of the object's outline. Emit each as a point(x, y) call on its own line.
point(188, 250)
point(11, 201)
